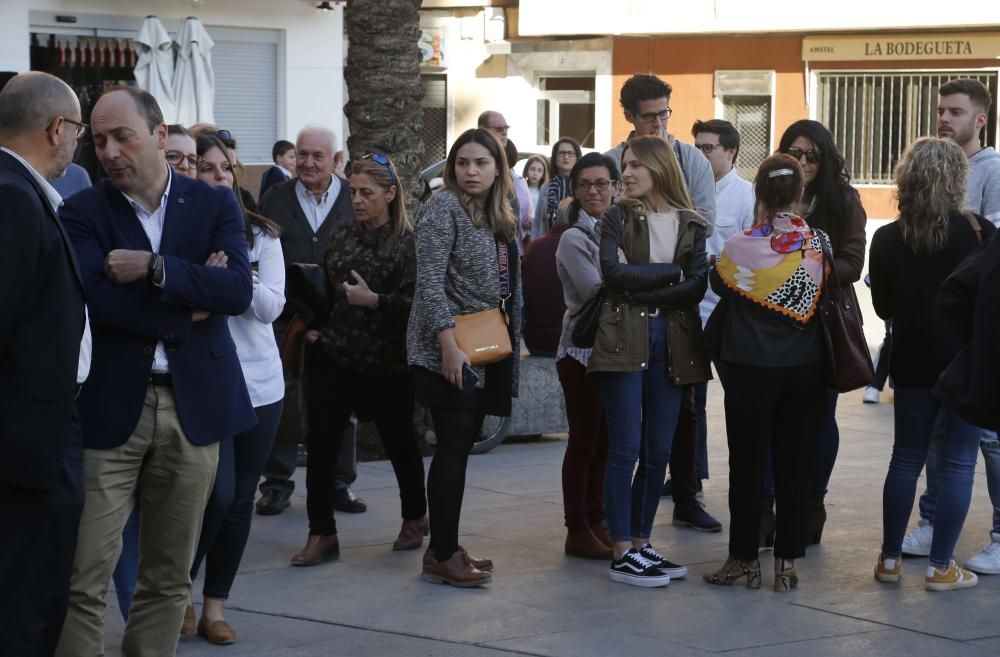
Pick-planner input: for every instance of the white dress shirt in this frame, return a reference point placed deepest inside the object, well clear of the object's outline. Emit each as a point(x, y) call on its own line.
point(317, 209)
point(152, 225)
point(55, 200)
point(734, 201)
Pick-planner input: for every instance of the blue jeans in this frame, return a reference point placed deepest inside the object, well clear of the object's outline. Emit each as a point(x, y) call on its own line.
point(642, 410)
point(127, 569)
point(827, 445)
point(989, 444)
point(915, 412)
point(226, 524)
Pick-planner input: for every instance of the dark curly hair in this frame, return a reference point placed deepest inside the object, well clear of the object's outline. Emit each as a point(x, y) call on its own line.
point(832, 182)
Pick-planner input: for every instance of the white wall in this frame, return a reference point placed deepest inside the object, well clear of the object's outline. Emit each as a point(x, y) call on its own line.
point(312, 58)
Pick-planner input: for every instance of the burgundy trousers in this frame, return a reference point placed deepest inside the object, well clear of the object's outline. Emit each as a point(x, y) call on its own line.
point(587, 450)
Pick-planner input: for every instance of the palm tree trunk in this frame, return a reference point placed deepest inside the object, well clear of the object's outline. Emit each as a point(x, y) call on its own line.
point(383, 86)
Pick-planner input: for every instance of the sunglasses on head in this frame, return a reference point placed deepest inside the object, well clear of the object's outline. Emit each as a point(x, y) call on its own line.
point(812, 156)
point(378, 158)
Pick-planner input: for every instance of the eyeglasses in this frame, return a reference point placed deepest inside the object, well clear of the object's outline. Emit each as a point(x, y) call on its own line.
point(601, 185)
point(378, 158)
point(500, 128)
point(708, 148)
point(565, 153)
point(812, 156)
point(651, 117)
point(81, 128)
point(176, 158)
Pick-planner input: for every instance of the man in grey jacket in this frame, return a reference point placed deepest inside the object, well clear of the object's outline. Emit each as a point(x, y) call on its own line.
point(961, 115)
point(646, 101)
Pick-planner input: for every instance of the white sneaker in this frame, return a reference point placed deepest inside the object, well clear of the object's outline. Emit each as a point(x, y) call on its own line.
point(918, 542)
point(871, 395)
point(987, 562)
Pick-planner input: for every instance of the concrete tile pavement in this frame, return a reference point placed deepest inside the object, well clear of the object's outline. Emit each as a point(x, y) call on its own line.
point(543, 603)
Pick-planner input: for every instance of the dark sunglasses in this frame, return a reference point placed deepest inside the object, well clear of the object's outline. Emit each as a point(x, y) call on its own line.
point(812, 156)
point(378, 158)
point(226, 137)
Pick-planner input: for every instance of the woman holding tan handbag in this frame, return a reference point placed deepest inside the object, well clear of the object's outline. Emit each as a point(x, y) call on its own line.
point(463, 339)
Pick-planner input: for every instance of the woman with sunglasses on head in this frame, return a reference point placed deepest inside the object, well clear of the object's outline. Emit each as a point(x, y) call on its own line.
point(771, 278)
point(466, 263)
point(361, 360)
point(199, 129)
point(596, 182)
point(833, 206)
point(226, 523)
point(654, 267)
point(556, 193)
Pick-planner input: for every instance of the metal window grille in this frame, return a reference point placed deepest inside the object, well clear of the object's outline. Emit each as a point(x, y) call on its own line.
point(751, 115)
point(435, 118)
point(874, 116)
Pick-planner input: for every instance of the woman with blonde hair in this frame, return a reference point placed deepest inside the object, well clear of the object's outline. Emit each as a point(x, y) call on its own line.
point(654, 266)
point(466, 263)
point(360, 366)
point(910, 259)
point(771, 278)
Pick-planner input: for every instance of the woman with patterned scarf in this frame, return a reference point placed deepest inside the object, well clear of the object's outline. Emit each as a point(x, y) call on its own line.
point(772, 357)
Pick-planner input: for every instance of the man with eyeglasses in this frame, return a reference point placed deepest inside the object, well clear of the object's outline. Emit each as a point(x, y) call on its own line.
point(646, 102)
point(521, 202)
point(44, 356)
point(720, 142)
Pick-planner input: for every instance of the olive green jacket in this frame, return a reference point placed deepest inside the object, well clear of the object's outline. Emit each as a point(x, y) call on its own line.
point(633, 288)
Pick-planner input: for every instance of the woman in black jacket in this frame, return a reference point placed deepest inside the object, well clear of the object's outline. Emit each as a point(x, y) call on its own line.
point(771, 278)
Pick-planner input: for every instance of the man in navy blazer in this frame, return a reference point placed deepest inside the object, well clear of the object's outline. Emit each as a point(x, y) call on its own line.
point(42, 334)
point(164, 263)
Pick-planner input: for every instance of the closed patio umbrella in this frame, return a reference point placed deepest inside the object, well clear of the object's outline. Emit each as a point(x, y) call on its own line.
point(194, 80)
point(154, 71)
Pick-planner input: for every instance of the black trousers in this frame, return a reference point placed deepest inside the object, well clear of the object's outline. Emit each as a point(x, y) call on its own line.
point(456, 430)
point(684, 452)
point(781, 407)
point(385, 397)
point(36, 558)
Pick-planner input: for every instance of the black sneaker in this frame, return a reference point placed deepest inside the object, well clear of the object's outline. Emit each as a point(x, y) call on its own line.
point(273, 501)
point(675, 570)
point(637, 570)
point(694, 515)
point(668, 488)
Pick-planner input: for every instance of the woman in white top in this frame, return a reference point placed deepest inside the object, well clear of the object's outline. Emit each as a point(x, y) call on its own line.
point(226, 524)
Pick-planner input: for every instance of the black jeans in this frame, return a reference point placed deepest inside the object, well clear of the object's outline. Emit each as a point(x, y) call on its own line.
point(334, 393)
point(225, 526)
point(780, 407)
point(456, 430)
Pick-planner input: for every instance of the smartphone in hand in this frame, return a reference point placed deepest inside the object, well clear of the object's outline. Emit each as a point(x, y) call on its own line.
point(469, 379)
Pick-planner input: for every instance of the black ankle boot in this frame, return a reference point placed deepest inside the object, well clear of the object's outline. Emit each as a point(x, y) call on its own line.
point(815, 519)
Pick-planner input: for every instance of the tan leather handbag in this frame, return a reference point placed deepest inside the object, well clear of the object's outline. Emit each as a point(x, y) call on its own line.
point(483, 335)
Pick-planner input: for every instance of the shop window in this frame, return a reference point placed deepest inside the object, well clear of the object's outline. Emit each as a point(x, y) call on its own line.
point(874, 116)
point(566, 109)
point(435, 108)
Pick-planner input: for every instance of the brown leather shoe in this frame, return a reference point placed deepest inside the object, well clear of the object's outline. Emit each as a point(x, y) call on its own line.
point(601, 533)
point(317, 550)
point(485, 565)
point(411, 534)
point(218, 632)
point(189, 626)
point(581, 542)
point(456, 571)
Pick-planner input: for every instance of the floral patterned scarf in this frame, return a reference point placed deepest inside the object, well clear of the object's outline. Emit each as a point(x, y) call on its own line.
point(777, 265)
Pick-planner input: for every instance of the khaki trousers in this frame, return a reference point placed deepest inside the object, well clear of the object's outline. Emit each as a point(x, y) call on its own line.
point(174, 479)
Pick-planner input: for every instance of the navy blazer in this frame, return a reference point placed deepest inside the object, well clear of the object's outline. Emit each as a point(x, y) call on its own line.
point(271, 177)
point(128, 320)
point(41, 323)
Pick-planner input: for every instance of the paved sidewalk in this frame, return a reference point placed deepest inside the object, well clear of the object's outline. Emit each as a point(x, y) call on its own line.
point(372, 602)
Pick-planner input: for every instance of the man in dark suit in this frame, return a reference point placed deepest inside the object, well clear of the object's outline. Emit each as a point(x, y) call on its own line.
point(164, 262)
point(307, 208)
point(42, 323)
point(283, 155)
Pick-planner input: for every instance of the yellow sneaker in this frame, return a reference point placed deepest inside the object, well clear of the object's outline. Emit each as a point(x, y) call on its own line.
point(952, 578)
point(888, 570)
